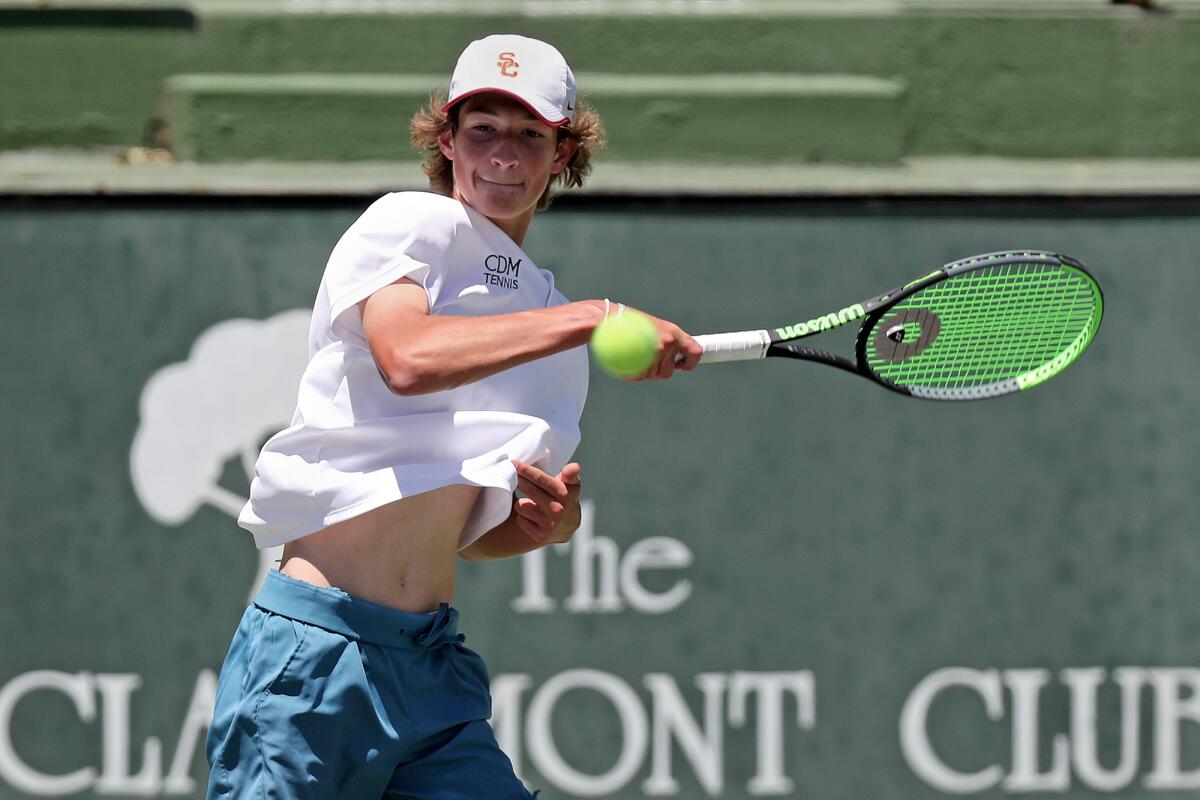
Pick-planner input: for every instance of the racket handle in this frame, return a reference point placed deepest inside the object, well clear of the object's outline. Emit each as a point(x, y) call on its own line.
point(740, 346)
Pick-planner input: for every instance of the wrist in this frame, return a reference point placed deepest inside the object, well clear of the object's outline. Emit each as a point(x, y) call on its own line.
point(589, 314)
point(612, 308)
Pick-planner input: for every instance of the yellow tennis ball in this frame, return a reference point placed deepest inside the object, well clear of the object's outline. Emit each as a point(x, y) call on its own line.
point(625, 344)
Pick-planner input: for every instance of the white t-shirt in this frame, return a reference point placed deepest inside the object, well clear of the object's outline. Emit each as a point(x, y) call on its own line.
point(353, 445)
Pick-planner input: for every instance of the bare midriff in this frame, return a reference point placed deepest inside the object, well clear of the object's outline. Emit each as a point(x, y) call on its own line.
point(401, 555)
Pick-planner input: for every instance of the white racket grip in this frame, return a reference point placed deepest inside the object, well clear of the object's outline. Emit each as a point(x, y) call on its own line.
point(739, 346)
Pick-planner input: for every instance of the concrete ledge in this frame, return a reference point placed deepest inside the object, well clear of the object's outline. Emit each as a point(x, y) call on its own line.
point(674, 8)
point(303, 117)
point(59, 173)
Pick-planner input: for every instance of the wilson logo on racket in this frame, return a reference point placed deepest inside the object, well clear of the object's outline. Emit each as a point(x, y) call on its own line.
point(848, 314)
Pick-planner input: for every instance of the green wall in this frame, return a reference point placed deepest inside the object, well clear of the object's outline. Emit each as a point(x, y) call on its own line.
point(1056, 79)
point(837, 536)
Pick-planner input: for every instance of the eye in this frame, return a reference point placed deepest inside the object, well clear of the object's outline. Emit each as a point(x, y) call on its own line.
point(535, 134)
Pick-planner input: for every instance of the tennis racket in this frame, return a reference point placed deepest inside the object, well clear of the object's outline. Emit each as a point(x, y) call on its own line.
point(984, 326)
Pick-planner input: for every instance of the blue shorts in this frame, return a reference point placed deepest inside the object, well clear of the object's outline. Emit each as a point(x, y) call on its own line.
point(323, 695)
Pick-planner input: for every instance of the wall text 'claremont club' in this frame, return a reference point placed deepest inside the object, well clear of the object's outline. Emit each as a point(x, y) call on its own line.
point(659, 717)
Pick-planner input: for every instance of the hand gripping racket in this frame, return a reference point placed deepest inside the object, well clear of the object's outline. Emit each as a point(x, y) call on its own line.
point(980, 327)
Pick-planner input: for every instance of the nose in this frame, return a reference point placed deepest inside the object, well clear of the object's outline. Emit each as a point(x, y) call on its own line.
point(504, 155)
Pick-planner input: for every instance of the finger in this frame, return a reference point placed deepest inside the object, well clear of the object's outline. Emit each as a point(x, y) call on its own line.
point(570, 521)
point(666, 365)
point(690, 352)
point(570, 474)
point(532, 512)
point(571, 477)
point(546, 513)
point(535, 492)
point(678, 351)
point(532, 529)
point(535, 511)
point(545, 481)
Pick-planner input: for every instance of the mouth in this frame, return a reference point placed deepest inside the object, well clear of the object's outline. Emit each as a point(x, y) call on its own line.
point(502, 184)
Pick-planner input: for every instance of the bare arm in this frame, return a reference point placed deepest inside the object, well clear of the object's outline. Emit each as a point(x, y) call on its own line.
point(417, 352)
point(549, 513)
point(503, 541)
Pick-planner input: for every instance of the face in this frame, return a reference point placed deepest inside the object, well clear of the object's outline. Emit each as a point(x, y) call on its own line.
point(503, 158)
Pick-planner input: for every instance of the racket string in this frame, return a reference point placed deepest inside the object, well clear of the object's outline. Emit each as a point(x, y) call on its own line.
point(998, 340)
point(997, 323)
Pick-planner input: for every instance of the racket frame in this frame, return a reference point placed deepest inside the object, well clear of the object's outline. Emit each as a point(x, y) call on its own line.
point(783, 342)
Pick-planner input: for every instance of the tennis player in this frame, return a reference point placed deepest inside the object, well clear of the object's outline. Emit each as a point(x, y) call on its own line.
point(446, 373)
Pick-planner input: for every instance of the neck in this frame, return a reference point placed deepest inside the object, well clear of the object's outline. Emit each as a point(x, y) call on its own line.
point(515, 227)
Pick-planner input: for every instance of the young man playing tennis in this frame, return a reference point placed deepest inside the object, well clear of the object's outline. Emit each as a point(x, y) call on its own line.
point(446, 372)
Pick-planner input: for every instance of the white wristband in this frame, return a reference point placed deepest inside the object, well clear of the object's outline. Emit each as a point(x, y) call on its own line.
point(608, 308)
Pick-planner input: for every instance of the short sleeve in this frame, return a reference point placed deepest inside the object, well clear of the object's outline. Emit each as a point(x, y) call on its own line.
point(402, 235)
point(553, 296)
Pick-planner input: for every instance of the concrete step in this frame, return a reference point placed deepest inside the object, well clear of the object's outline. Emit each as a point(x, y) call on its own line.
point(750, 118)
point(1059, 79)
point(43, 173)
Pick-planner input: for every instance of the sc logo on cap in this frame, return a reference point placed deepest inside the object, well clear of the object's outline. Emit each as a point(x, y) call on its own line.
point(508, 64)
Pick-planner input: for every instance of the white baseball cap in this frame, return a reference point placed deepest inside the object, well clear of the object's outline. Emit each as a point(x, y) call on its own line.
point(525, 69)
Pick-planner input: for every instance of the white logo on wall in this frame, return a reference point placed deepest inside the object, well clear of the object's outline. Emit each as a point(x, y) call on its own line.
point(237, 386)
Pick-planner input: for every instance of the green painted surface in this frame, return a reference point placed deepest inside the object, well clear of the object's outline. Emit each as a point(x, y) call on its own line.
point(1061, 534)
point(1056, 88)
point(362, 117)
point(84, 85)
point(235, 117)
point(73, 173)
point(1047, 80)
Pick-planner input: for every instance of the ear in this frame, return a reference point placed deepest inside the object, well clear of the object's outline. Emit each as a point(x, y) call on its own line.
point(445, 142)
point(563, 155)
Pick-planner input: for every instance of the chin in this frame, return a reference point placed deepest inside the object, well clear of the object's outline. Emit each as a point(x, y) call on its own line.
point(501, 207)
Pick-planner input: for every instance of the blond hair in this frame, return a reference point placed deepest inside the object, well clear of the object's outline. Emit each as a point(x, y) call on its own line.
point(430, 122)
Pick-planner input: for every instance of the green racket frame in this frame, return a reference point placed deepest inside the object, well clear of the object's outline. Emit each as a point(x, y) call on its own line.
point(979, 327)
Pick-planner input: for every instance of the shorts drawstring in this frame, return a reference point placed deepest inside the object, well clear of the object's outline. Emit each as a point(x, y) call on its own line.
point(443, 630)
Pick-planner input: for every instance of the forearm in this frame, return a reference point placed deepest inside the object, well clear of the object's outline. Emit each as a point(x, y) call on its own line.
point(503, 541)
point(441, 352)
